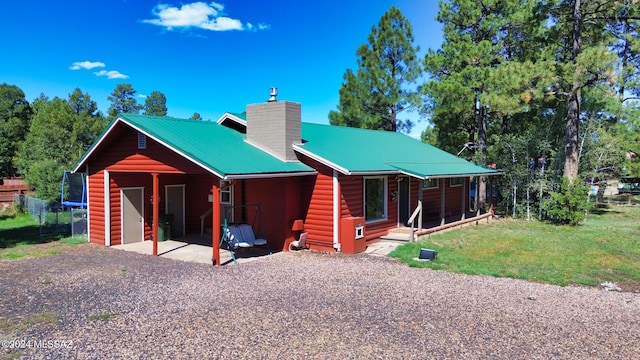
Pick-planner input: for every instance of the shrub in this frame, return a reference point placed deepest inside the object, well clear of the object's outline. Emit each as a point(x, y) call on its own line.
point(569, 205)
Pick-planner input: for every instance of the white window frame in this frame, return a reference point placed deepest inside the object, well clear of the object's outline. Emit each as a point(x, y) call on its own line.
point(385, 211)
point(426, 184)
point(228, 191)
point(451, 184)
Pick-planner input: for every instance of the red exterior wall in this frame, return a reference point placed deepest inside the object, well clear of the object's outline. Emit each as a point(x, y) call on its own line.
point(318, 197)
point(129, 166)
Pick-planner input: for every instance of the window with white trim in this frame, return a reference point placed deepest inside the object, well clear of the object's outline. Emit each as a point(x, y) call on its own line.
point(226, 194)
point(457, 181)
point(430, 184)
point(375, 198)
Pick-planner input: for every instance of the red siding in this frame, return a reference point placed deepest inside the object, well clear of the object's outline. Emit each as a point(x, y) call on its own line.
point(319, 217)
point(96, 208)
point(280, 206)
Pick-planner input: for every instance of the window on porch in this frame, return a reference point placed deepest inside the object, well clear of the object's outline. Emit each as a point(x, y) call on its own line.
point(456, 182)
point(430, 184)
point(225, 192)
point(375, 198)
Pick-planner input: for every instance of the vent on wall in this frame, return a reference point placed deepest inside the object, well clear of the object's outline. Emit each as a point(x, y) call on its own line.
point(142, 141)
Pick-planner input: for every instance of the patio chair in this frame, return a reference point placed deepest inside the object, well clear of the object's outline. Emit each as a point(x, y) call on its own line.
point(300, 243)
point(248, 236)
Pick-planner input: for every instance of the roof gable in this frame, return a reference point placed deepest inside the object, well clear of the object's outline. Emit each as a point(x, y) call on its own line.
point(216, 148)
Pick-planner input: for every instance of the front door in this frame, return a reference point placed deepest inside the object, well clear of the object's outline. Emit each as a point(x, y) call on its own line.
point(175, 205)
point(132, 208)
point(403, 200)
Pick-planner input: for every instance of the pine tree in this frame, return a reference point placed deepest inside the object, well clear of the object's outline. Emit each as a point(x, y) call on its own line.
point(155, 104)
point(123, 100)
point(383, 86)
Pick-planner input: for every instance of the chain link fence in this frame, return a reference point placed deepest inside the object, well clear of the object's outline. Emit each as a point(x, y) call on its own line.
point(52, 218)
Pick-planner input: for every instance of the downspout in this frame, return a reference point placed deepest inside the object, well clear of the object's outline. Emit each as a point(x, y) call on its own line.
point(107, 210)
point(336, 211)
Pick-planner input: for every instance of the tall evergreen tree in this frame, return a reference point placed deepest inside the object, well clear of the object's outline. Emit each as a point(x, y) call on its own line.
point(384, 84)
point(15, 115)
point(155, 104)
point(483, 76)
point(123, 99)
point(584, 59)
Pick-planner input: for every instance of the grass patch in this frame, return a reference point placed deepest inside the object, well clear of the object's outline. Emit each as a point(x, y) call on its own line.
point(103, 317)
point(605, 248)
point(20, 238)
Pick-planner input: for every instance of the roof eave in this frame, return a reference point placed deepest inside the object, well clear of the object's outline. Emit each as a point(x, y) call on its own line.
point(300, 149)
point(268, 175)
point(124, 120)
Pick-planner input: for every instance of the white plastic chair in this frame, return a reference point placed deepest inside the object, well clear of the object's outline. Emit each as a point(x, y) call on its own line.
point(300, 243)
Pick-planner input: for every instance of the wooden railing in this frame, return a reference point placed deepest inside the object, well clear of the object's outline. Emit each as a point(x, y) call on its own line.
point(416, 213)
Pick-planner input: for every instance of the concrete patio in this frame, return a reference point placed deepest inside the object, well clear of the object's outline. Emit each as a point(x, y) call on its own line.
point(190, 251)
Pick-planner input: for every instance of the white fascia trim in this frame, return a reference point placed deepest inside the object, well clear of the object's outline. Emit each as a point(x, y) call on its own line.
point(461, 175)
point(268, 175)
point(97, 145)
point(321, 160)
point(118, 120)
point(177, 151)
point(231, 117)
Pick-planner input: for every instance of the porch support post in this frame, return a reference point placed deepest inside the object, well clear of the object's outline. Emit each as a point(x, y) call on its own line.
point(215, 233)
point(156, 211)
point(420, 196)
point(463, 210)
point(442, 201)
point(490, 194)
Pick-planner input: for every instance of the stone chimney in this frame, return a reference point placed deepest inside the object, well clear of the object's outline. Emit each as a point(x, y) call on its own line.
point(274, 126)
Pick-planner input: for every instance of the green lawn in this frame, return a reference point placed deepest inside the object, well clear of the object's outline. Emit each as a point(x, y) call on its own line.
point(20, 238)
point(605, 248)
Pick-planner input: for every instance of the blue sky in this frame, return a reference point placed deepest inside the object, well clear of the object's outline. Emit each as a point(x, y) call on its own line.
point(206, 57)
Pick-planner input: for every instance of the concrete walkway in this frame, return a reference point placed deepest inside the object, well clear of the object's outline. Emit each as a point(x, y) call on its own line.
point(184, 251)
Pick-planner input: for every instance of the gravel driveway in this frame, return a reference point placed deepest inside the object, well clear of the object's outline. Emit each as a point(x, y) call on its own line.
point(100, 303)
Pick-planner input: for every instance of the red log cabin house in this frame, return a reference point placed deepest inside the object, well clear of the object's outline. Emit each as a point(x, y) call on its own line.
point(349, 186)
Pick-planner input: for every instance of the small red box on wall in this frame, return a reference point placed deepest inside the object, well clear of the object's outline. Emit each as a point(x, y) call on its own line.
point(352, 239)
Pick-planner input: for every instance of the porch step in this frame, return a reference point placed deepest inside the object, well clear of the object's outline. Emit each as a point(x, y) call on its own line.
point(397, 236)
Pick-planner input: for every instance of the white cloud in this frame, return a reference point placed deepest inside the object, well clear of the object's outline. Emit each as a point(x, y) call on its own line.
point(198, 14)
point(142, 96)
point(86, 65)
point(111, 74)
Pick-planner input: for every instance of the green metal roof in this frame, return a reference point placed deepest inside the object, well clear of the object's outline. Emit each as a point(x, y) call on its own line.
point(361, 151)
point(224, 151)
point(216, 148)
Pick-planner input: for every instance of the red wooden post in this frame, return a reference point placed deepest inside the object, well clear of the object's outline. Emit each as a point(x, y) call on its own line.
point(156, 210)
point(215, 233)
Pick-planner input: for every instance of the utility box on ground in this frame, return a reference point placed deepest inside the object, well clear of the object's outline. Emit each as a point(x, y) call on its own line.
point(352, 239)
